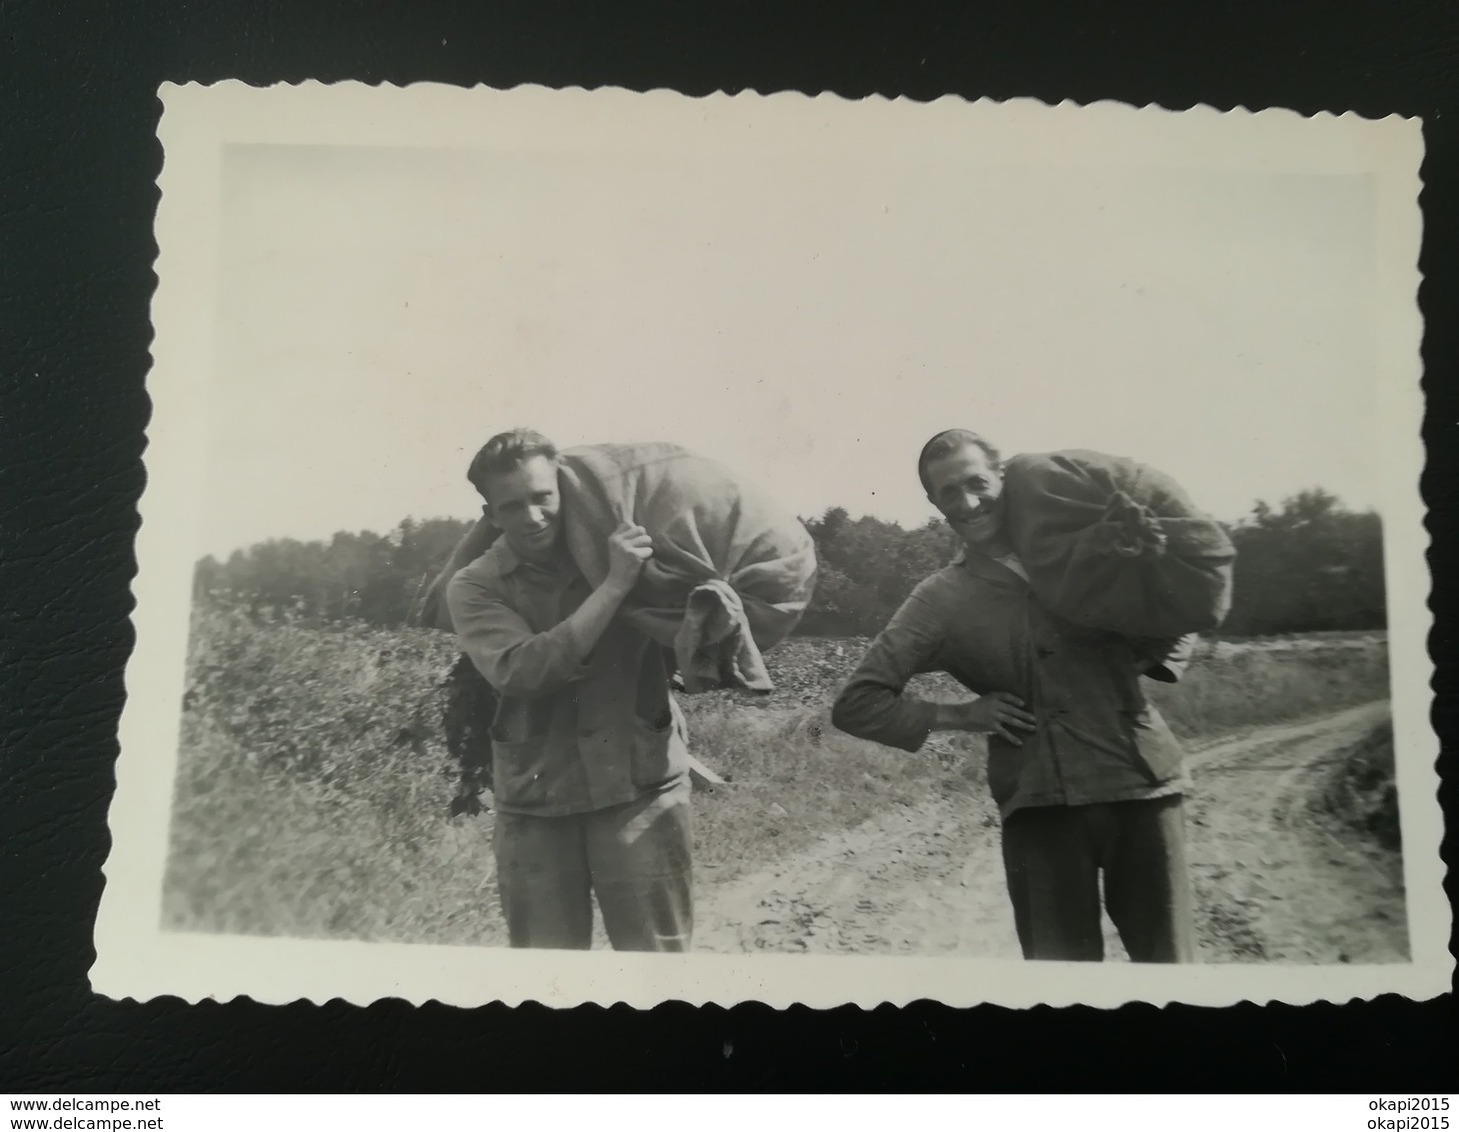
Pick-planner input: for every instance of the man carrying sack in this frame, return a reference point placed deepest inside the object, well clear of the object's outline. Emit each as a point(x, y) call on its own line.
point(590, 762)
point(615, 566)
point(1079, 574)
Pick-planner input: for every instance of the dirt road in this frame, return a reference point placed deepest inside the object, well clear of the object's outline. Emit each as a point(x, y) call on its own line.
point(1277, 878)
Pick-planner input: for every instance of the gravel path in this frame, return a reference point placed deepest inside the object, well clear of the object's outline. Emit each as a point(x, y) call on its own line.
point(1277, 878)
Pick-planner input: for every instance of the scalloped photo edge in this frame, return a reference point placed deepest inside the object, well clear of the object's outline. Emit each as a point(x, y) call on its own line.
point(139, 958)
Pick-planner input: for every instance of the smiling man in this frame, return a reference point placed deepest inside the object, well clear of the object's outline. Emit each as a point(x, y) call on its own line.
point(590, 763)
point(1086, 775)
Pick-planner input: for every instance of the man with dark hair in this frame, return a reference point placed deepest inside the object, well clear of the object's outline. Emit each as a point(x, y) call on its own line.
point(1087, 776)
point(590, 760)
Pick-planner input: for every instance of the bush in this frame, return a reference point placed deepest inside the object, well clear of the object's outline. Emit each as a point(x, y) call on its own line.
point(1362, 791)
point(313, 788)
point(325, 704)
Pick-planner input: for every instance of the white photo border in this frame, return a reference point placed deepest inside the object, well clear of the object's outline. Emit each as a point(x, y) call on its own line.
point(137, 959)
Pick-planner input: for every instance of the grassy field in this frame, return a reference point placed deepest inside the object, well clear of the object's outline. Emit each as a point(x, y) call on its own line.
point(313, 787)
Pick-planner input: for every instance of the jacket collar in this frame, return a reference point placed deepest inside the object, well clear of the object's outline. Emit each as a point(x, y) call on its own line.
point(509, 561)
point(506, 557)
point(987, 568)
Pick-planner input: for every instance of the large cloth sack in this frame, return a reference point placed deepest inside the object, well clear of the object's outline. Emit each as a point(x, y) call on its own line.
point(731, 573)
point(1114, 545)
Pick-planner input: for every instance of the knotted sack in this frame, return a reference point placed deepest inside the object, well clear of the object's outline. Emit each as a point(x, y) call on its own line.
point(1114, 545)
point(731, 573)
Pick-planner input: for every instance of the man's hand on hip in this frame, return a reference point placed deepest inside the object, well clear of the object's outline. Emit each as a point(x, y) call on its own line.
point(997, 713)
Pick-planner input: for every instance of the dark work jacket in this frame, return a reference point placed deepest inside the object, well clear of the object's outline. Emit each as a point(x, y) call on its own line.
point(1097, 738)
point(575, 730)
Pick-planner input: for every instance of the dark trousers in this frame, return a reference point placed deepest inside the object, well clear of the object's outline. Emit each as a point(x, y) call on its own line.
point(637, 859)
point(1054, 856)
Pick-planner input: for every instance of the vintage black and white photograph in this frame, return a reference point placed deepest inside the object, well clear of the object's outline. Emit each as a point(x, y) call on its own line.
point(866, 550)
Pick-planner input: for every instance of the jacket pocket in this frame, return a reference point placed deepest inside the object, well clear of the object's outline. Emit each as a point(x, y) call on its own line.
point(657, 751)
point(1155, 749)
point(1006, 767)
point(518, 770)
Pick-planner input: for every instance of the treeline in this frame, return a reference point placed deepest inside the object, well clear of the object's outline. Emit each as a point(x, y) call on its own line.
point(377, 579)
point(1308, 565)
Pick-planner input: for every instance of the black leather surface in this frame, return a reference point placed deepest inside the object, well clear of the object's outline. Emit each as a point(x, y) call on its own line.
point(77, 164)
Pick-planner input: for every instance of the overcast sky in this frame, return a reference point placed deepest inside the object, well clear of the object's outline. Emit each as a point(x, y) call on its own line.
point(382, 312)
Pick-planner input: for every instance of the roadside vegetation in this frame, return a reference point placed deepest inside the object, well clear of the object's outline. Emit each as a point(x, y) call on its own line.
point(313, 785)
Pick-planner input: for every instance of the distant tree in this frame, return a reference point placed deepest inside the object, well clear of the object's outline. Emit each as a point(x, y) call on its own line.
point(868, 566)
point(1308, 566)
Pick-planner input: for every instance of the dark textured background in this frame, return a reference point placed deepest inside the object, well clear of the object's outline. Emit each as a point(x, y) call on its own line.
point(78, 159)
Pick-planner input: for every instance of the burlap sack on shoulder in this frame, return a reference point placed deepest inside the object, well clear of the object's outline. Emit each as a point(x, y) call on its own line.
point(731, 573)
point(1115, 545)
